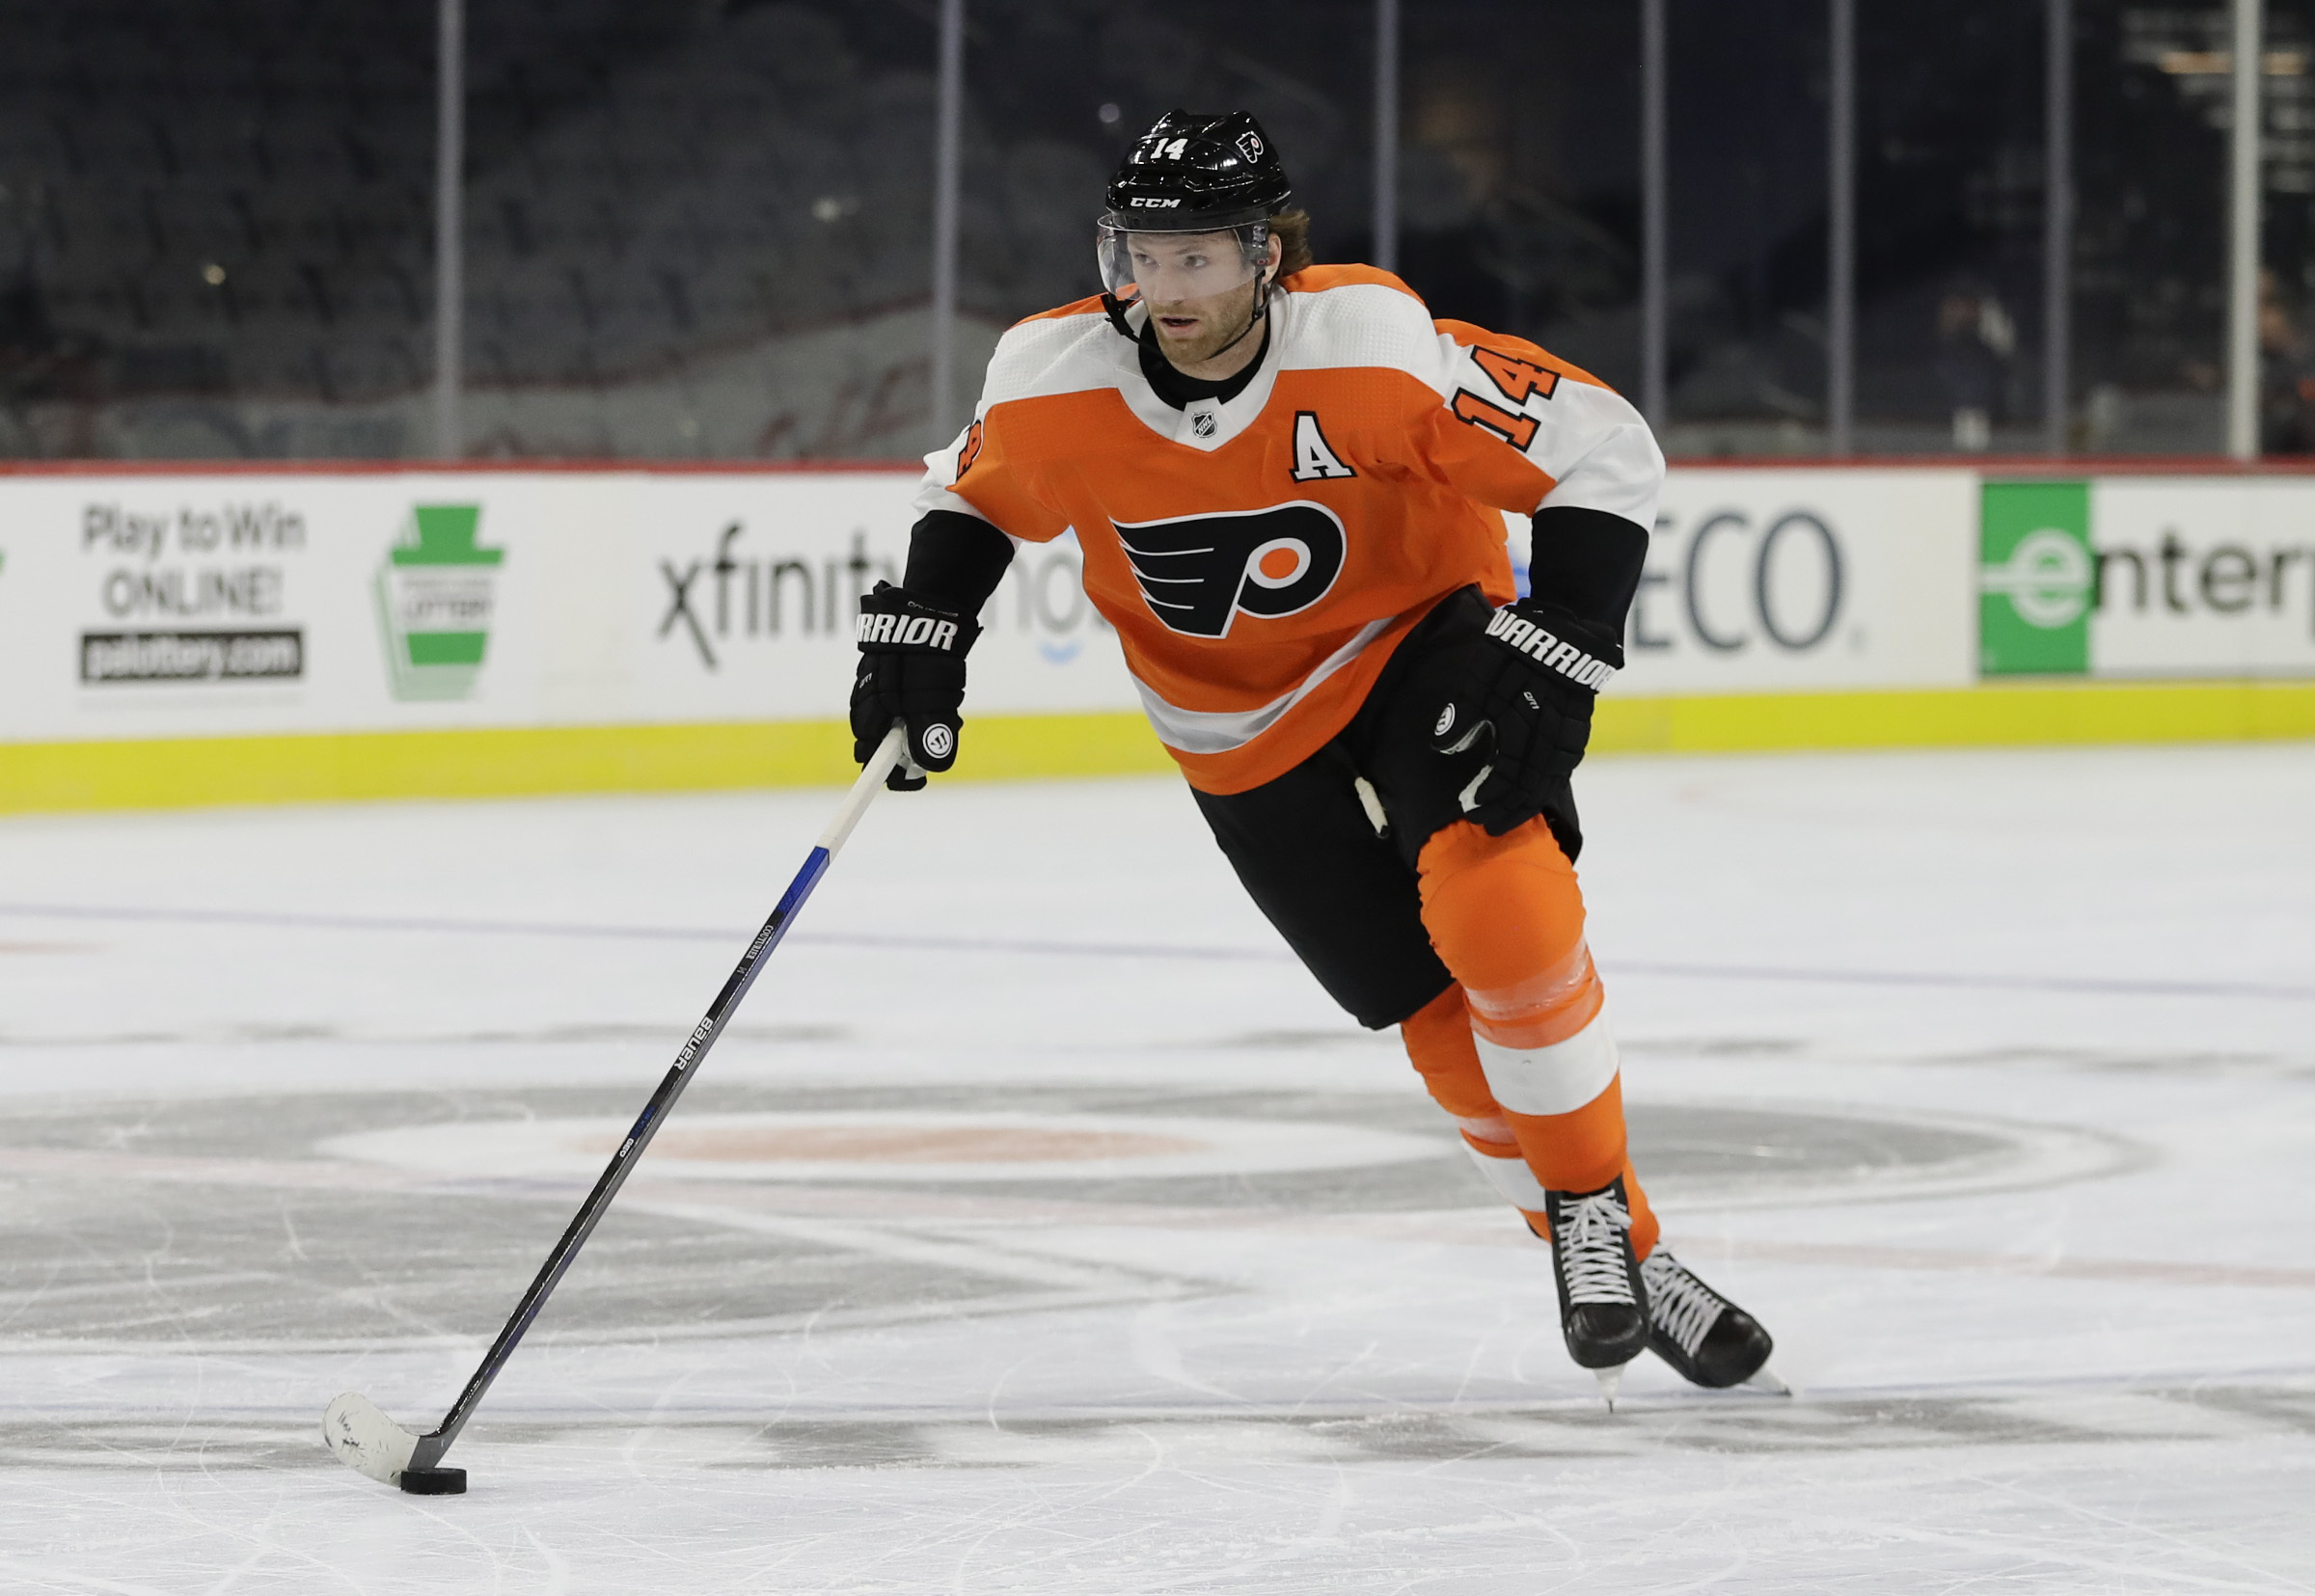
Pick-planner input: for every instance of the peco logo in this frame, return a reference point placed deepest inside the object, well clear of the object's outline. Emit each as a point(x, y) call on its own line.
point(1733, 581)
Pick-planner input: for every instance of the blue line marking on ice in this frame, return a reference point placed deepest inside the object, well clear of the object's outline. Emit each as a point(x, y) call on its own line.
point(2090, 986)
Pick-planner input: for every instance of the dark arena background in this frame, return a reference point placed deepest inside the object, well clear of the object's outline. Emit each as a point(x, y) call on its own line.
point(706, 231)
point(444, 446)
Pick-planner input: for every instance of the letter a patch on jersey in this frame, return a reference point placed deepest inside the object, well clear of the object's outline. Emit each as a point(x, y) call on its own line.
point(1201, 572)
point(1315, 461)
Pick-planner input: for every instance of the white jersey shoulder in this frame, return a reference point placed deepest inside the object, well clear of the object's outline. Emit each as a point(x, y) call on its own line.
point(1364, 324)
point(1035, 358)
point(1052, 354)
point(1589, 439)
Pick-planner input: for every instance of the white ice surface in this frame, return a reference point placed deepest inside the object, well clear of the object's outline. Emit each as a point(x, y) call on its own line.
point(2090, 1370)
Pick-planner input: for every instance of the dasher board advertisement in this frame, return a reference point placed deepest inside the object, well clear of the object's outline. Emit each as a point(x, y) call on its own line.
point(158, 606)
point(2175, 576)
point(143, 606)
point(1764, 580)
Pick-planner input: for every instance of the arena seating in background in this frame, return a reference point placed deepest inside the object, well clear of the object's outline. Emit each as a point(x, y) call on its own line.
point(687, 231)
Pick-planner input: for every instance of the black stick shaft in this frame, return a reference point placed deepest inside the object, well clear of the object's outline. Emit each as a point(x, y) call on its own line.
point(430, 1447)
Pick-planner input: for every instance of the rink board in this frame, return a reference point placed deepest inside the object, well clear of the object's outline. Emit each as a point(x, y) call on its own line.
point(187, 635)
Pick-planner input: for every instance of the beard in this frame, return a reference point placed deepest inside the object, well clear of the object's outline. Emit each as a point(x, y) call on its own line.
point(1221, 320)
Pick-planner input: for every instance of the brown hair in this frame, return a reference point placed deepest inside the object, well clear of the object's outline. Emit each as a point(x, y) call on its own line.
point(1292, 230)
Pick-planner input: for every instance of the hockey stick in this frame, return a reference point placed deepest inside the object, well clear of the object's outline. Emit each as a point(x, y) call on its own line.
point(354, 1427)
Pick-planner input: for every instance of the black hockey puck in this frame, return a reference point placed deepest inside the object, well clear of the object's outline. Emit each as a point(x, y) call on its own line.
point(435, 1482)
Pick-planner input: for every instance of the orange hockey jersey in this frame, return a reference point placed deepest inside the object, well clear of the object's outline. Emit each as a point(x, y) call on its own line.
point(1262, 556)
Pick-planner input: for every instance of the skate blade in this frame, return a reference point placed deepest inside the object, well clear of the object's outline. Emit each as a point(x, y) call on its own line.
point(1611, 1380)
point(1767, 1379)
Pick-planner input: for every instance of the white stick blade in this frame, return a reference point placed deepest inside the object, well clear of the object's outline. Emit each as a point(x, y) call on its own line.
point(366, 1439)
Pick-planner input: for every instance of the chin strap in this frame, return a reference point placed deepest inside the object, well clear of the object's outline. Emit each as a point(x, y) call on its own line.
point(1261, 308)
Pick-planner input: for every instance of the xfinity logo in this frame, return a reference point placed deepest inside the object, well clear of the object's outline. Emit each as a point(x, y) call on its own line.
point(736, 594)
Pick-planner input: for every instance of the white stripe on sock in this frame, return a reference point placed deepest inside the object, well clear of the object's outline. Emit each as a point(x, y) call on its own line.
point(1555, 1079)
point(1512, 1178)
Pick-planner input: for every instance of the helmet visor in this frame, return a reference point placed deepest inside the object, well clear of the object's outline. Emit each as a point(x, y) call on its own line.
point(1172, 267)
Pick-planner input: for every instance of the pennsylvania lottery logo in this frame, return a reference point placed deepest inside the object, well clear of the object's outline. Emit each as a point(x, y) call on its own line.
point(435, 593)
point(2037, 579)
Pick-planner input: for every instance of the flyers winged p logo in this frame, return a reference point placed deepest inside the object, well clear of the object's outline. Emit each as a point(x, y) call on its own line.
point(1201, 572)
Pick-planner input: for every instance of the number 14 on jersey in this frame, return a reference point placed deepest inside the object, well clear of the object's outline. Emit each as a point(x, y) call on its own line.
point(1517, 380)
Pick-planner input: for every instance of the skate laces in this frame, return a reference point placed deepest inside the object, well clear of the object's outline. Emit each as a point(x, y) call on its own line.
point(1683, 1307)
point(1589, 1234)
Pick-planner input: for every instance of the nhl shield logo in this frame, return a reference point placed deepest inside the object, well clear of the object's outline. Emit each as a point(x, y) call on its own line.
point(1200, 572)
point(1203, 423)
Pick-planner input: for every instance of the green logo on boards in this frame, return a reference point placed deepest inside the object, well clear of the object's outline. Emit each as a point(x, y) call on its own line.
point(2036, 579)
point(434, 595)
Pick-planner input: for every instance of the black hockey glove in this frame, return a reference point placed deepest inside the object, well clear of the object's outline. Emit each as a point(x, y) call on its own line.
point(913, 669)
point(1528, 683)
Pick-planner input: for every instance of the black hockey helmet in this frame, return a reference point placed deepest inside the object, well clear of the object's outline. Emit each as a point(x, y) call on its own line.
point(1191, 172)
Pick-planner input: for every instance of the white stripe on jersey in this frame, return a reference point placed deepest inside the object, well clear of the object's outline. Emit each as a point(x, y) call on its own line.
point(1220, 731)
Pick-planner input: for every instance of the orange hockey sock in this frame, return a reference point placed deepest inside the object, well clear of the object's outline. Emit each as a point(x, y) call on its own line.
point(1438, 1042)
point(1506, 917)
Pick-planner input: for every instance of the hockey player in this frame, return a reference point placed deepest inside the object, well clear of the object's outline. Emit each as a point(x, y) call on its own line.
point(1286, 479)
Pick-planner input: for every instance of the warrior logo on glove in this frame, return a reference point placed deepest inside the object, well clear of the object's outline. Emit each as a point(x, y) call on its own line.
point(1541, 644)
point(905, 630)
point(912, 670)
point(1523, 688)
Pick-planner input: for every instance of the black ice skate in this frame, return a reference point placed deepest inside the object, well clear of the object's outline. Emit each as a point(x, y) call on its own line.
point(1709, 1339)
point(1603, 1298)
